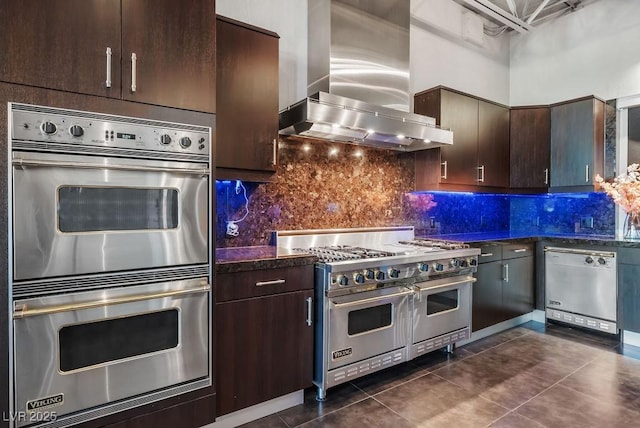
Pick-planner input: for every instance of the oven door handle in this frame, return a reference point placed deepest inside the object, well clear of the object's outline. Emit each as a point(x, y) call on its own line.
point(371, 299)
point(448, 284)
point(22, 311)
point(19, 162)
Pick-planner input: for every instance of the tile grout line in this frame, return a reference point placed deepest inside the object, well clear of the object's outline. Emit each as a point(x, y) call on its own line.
point(335, 410)
point(511, 412)
point(393, 411)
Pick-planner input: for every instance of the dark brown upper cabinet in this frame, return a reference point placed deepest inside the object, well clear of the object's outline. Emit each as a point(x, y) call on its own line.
point(577, 144)
point(479, 157)
point(87, 46)
point(530, 145)
point(247, 99)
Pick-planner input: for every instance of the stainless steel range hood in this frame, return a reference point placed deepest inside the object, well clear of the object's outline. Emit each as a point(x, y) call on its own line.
point(358, 73)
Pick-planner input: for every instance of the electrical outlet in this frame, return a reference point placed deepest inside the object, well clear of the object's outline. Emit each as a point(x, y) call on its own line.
point(586, 222)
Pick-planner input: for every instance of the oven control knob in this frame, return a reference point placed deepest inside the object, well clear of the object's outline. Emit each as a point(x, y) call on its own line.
point(454, 263)
point(464, 263)
point(424, 267)
point(473, 262)
point(358, 278)
point(185, 142)
point(438, 267)
point(380, 276)
point(394, 273)
point(370, 274)
point(48, 128)
point(343, 280)
point(76, 131)
point(165, 139)
point(589, 260)
point(602, 261)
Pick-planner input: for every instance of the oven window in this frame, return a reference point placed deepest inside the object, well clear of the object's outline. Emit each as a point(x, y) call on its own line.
point(440, 302)
point(369, 319)
point(91, 209)
point(84, 345)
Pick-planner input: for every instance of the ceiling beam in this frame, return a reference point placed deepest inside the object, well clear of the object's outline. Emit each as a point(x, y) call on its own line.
point(500, 15)
point(537, 11)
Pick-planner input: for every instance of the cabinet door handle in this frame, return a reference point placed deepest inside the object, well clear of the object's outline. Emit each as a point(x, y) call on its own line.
point(520, 250)
point(275, 152)
point(274, 282)
point(486, 254)
point(481, 171)
point(309, 310)
point(444, 170)
point(586, 173)
point(546, 176)
point(134, 61)
point(506, 272)
point(108, 82)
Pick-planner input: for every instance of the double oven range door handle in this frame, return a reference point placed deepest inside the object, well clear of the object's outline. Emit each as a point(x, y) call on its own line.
point(19, 162)
point(22, 311)
point(371, 299)
point(449, 284)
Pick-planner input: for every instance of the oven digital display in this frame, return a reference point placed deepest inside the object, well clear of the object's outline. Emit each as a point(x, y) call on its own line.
point(124, 136)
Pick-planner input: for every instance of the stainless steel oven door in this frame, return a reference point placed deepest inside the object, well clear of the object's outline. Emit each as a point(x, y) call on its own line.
point(77, 214)
point(366, 324)
point(441, 306)
point(81, 350)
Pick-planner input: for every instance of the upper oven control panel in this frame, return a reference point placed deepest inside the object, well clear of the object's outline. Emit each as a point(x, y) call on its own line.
point(45, 124)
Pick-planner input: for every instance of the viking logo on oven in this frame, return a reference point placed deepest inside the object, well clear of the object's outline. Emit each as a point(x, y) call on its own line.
point(45, 403)
point(341, 353)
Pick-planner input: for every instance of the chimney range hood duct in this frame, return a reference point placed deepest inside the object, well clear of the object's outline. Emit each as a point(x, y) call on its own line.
point(358, 73)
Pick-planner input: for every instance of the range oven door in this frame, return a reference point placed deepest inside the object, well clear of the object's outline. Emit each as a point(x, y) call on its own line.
point(362, 325)
point(76, 214)
point(441, 306)
point(78, 351)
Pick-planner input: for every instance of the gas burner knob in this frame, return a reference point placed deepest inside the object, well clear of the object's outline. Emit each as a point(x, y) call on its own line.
point(464, 263)
point(424, 267)
point(438, 267)
point(49, 128)
point(76, 131)
point(358, 278)
point(380, 276)
point(165, 139)
point(342, 280)
point(394, 273)
point(185, 142)
point(589, 260)
point(473, 262)
point(602, 261)
point(454, 263)
point(370, 274)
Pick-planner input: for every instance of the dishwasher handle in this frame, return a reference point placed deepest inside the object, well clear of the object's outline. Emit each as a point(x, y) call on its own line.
point(597, 253)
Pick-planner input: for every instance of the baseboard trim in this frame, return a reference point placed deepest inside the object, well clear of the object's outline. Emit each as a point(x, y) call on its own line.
point(497, 328)
point(631, 338)
point(258, 411)
point(539, 316)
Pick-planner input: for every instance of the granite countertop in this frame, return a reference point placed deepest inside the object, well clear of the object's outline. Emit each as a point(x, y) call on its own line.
point(604, 240)
point(238, 259)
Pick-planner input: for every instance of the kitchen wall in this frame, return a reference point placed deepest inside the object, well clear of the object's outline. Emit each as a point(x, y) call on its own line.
point(440, 55)
point(321, 185)
point(590, 51)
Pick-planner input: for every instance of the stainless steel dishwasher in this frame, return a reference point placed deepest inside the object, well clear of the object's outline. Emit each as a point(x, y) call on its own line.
point(581, 287)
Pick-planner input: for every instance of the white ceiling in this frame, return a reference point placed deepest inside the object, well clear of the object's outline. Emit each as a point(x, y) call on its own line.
point(520, 15)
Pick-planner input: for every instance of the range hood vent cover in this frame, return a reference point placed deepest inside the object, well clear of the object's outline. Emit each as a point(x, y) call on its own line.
point(358, 79)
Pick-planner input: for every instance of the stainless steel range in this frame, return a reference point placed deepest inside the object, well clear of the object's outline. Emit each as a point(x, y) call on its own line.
point(383, 298)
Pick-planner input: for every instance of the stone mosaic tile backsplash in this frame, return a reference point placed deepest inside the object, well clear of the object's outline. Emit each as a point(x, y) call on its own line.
point(320, 185)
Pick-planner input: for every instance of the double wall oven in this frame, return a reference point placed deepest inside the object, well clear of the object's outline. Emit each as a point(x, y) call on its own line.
point(110, 263)
point(383, 297)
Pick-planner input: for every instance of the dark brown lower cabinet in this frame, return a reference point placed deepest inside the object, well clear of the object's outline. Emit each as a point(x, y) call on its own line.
point(264, 344)
point(506, 284)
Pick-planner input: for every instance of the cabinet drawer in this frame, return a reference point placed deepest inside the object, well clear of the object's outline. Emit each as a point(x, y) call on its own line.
point(262, 282)
point(514, 250)
point(489, 252)
point(629, 256)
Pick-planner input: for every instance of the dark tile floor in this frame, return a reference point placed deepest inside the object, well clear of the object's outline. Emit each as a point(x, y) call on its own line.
point(530, 376)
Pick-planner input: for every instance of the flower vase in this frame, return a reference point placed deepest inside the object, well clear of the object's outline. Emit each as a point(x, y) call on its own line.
point(632, 227)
